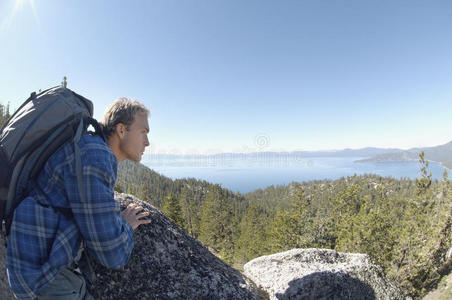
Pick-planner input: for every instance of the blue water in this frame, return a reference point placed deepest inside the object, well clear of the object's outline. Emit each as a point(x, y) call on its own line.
point(245, 174)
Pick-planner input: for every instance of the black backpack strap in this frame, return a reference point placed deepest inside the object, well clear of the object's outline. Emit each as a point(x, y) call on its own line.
point(66, 211)
point(6, 228)
point(98, 130)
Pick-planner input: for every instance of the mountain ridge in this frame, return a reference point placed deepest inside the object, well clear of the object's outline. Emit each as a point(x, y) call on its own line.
point(441, 154)
point(373, 153)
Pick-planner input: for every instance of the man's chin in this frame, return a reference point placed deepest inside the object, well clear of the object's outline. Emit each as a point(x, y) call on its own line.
point(135, 159)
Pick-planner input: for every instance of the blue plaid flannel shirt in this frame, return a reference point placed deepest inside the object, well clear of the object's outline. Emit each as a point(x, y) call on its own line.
point(43, 241)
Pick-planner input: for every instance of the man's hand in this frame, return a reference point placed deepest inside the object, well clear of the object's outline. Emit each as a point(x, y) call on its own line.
point(132, 215)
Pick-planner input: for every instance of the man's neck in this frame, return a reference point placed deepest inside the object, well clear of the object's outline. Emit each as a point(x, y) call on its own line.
point(113, 143)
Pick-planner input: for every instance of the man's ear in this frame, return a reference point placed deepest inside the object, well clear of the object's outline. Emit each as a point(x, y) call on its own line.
point(120, 130)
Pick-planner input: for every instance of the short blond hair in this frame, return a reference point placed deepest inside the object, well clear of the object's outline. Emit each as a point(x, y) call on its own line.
point(123, 110)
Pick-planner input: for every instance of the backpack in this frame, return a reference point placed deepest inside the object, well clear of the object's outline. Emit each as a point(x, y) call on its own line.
point(42, 124)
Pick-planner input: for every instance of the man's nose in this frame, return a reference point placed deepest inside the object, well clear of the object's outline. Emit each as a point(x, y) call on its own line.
point(146, 142)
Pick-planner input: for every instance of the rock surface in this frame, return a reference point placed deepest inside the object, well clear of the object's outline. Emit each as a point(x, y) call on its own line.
point(320, 274)
point(167, 263)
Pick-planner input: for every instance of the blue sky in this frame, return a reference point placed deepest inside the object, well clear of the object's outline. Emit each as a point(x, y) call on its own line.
point(221, 76)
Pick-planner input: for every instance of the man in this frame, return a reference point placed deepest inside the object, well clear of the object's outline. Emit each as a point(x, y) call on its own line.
point(44, 245)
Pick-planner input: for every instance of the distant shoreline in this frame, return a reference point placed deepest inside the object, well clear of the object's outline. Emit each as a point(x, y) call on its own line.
point(244, 175)
point(441, 164)
point(369, 160)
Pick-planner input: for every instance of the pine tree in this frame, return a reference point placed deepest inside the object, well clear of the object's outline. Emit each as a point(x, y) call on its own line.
point(347, 206)
point(129, 189)
point(172, 209)
point(210, 227)
point(2, 117)
point(281, 235)
point(302, 219)
point(4, 114)
point(444, 185)
point(423, 222)
point(425, 181)
point(373, 228)
point(216, 226)
point(252, 241)
point(190, 211)
point(293, 228)
point(143, 192)
point(64, 82)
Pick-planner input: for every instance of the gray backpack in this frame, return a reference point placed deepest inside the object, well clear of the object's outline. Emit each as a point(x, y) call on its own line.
point(34, 132)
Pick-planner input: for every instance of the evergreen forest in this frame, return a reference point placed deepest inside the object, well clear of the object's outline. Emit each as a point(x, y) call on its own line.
point(4, 114)
point(404, 225)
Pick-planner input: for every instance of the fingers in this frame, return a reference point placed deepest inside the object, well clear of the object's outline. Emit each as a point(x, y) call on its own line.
point(141, 222)
point(136, 211)
point(133, 214)
point(142, 215)
point(132, 207)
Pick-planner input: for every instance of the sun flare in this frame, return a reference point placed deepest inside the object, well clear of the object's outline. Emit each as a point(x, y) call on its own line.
point(16, 7)
point(18, 4)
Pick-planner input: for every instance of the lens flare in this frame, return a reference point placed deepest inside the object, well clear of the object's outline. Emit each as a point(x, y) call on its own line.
point(16, 7)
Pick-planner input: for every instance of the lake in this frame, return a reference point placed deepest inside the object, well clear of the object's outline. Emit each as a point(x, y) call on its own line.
point(245, 173)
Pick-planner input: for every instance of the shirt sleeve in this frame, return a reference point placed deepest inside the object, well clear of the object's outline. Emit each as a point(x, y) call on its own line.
point(108, 237)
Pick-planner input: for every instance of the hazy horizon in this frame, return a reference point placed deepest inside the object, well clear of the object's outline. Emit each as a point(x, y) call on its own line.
point(257, 150)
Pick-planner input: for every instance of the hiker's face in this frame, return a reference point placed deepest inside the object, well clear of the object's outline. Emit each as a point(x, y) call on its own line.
point(135, 139)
